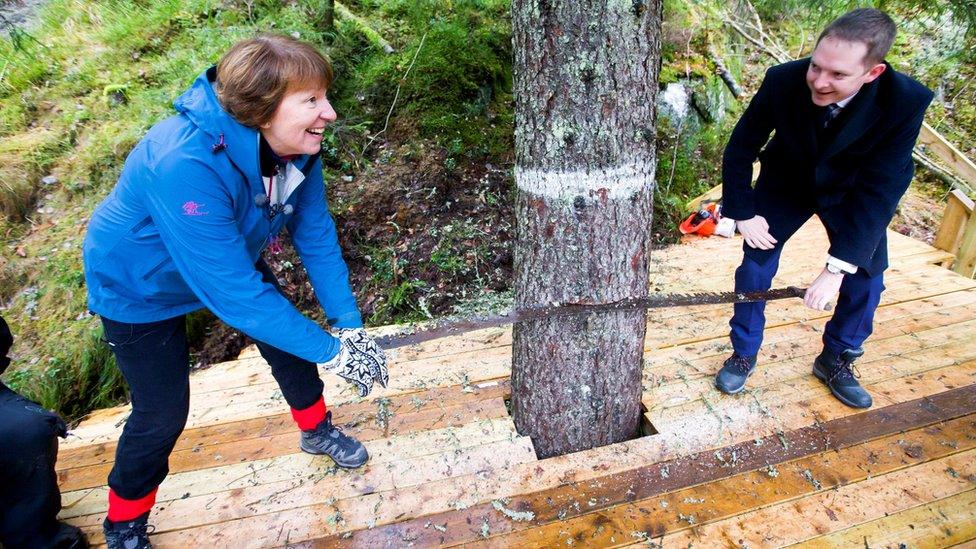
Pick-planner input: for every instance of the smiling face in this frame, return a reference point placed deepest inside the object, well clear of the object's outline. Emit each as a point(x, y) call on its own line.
point(837, 70)
point(299, 122)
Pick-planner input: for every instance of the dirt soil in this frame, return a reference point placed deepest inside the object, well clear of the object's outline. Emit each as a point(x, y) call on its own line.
point(920, 213)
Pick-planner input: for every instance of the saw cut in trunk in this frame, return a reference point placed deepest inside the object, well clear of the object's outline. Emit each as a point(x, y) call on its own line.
point(585, 88)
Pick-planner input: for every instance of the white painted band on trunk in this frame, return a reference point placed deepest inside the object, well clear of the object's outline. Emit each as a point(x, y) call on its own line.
point(619, 182)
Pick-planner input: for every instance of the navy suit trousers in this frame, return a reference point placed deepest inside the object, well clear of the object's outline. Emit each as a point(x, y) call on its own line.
point(850, 325)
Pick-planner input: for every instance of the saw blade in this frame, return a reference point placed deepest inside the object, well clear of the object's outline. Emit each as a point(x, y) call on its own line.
point(439, 330)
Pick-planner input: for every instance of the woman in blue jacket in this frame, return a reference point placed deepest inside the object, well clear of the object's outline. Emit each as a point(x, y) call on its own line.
point(198, 199)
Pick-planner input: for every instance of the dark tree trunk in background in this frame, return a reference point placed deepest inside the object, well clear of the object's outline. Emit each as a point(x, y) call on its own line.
point(326, 20)
point(585, 89)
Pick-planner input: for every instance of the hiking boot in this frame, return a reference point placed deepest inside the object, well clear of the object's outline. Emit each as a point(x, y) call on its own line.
point(731, 379)
point(130, 534)
point(839, 373)
point(327, 439)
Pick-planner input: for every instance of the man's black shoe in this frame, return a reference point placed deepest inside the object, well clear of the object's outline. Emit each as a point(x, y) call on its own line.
point(731, 379)
point(130, 534)
point(327, 439)
point(839, 373)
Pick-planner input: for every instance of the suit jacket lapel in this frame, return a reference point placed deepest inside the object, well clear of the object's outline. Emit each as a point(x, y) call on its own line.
point(803, 115)
point(864, 113)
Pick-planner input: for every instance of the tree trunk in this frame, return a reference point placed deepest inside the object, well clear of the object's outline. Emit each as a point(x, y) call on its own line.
point(585, 88)
point(326, 22)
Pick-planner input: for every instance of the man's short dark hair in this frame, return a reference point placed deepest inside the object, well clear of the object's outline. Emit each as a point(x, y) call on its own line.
point(866, 25)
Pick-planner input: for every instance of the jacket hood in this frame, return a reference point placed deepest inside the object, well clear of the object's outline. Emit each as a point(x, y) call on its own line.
point(200, 105)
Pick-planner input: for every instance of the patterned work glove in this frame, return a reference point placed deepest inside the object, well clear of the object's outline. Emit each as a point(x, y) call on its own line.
point(360, 361)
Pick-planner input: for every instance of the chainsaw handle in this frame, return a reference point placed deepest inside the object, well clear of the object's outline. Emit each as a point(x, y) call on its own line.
point(802, 292)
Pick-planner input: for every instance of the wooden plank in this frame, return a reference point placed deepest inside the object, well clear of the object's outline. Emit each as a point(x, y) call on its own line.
point(942, 523)
point(497, 361)
point(463, 492)
point(265, 399)
point(228, 506)
point(897, 312)
point(401, 413)
point(796, 521)
point(777, 482)
point(295, 465)
point(715, 427)
point(930, 257)
point(711, 195)
point(798, 268)
point(568, 499)
point(957, 211)
point(677, 375)
point(502, 337)
point(963, 167)
point(709, 322)
point(894, 358)
point(827, 399)
point(786, 369)
point(250, 449)
point(966, 256)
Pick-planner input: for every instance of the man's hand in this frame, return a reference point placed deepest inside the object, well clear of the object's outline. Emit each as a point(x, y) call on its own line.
point(755, 231)
point(360, 361)
point(822, 291)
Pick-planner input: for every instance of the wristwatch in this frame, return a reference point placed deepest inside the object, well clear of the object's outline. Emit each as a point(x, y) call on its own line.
point(834, 269)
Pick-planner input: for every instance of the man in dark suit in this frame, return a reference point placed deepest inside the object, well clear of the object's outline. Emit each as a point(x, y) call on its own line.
point(845, 124)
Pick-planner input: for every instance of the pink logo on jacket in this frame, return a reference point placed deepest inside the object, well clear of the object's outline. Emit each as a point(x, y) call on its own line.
point(192, 208)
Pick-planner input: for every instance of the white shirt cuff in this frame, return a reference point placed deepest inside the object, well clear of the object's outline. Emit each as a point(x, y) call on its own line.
point(848, 268)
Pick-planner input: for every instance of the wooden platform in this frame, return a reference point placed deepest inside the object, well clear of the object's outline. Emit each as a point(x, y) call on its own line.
point(781, 463)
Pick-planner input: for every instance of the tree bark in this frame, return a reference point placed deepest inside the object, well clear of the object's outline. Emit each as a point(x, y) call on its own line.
point(585, 88)
point(328, 16)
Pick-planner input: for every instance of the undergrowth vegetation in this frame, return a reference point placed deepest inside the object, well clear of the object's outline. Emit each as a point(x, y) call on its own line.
point(418, 164)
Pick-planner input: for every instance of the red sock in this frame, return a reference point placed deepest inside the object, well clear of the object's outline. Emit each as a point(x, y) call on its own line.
point(309, 418)
point(121, 510)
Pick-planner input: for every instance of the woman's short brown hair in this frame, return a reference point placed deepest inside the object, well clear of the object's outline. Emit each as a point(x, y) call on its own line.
point(256, 73)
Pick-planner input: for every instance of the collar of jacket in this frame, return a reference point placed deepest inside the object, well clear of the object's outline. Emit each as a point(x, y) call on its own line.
point(863, 112)
point(241, 143)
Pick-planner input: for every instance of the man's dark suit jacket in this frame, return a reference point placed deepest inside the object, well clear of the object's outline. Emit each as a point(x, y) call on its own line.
point(852, 178)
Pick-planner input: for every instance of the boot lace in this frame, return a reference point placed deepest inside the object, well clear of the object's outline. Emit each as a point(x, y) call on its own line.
point(740, 364)
point(135, 537)
point(845, 371)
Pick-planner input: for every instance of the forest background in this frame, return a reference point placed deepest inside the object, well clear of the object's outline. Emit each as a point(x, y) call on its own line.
point(418, 166)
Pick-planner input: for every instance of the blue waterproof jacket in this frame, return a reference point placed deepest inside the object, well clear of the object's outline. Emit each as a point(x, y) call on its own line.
point(181, 230)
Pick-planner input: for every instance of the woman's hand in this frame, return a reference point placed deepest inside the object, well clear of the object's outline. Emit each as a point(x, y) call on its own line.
point(755, 231)
point(360, 361)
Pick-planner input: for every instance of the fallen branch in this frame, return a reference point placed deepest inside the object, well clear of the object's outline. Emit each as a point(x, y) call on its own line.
point(342, 12)
point(396, 96)
point(725, 75)
point(945, 175)
point(777, 56)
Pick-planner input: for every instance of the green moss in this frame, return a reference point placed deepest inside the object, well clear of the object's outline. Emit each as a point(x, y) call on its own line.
point(460, 80)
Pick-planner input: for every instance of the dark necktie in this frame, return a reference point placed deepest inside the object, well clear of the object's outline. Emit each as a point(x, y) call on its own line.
point(830, 113)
